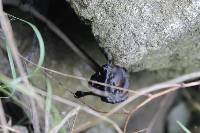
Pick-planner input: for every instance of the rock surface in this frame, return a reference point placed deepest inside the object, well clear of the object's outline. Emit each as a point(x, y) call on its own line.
point(145, 34)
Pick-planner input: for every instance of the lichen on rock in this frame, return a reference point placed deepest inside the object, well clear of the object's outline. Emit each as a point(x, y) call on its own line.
point(145, 34)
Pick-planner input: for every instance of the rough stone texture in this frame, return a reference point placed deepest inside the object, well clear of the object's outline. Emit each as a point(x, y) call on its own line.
point(145, 34)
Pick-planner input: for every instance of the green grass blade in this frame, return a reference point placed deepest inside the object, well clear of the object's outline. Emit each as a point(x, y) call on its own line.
point(12, 65)
point(183, 127)
point(40, 40)
point(57, 119)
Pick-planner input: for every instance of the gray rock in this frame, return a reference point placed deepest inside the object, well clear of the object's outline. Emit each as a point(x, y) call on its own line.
point(145, 34)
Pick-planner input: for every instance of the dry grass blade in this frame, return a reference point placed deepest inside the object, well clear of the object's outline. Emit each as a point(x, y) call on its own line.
point(20, 87)
point(3, 118)
point(11, 129)
point(123, 112)
point(144, 91)
point(62, 85)
point(147, 101)
point(6, 26)
point(157, 87)
point(73, 124)
point(86, 109)
point(158, 95)
point(160, 89)
point(7, 29)
point(80, 78)
point(67, 117)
